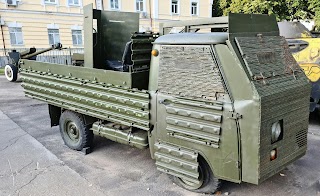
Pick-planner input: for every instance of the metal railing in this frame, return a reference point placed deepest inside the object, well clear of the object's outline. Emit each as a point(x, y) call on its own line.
point(62, 56)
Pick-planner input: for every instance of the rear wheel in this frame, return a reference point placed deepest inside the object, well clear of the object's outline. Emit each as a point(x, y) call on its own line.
point(11, 72)
point(75, 134)
point(208, 183)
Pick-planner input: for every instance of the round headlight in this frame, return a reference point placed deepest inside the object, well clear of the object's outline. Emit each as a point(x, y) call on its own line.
point(275, 131)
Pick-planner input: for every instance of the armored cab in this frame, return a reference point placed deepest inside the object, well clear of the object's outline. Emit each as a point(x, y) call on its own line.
point(237, 99)
point(229, 104)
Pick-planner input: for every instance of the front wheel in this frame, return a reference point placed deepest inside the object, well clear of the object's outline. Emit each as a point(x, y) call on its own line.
point(11, 72)
point(208, 183)
point(75, 133)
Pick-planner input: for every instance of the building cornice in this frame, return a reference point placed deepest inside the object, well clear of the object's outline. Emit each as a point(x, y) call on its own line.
point(40, 12)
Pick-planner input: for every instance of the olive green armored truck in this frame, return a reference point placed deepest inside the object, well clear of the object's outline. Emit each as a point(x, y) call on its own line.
point(227, 104)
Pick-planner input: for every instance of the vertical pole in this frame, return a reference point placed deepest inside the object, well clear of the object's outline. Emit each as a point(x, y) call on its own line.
point(4, 44)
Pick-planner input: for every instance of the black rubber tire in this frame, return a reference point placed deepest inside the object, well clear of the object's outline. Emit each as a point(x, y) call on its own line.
point(13, 75)
point(85, 135)
point(210, 184)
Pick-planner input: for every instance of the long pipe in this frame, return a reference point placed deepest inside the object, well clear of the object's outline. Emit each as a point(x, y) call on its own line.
point(56, 46)
point(4, 43)
point(150, 15)
point(29, 51)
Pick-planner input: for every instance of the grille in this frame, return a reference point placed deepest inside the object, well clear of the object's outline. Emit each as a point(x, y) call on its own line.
point(301, 138)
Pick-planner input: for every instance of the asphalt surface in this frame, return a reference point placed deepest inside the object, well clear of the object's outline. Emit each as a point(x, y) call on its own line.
point(34, 160)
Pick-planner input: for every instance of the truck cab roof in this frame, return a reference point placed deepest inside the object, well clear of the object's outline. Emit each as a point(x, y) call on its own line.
point(193, 38)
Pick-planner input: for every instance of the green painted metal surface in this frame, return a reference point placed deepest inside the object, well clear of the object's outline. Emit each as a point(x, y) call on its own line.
point(194, 112)
point(135, 138)
point(101, 100)
point(137, 80)
point(117, 28)
point(284, 94)
point(177, 161)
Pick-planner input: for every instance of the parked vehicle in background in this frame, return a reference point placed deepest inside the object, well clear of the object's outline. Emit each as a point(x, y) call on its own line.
point(210, 106)
point(305, 48)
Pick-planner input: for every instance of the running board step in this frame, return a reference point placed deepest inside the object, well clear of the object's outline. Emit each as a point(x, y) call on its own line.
point(136, 138)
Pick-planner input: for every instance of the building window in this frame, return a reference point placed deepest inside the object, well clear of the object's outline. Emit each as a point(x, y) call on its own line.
point(139, 5)
point(174, 6)
point(54, 36)
point(16, 36)
point(194, 8)
point(76, 37)
point(74, 2)
point(114, 4)
point(50, 1)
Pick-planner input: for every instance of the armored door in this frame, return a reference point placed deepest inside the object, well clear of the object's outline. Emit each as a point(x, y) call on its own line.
point(192, 105)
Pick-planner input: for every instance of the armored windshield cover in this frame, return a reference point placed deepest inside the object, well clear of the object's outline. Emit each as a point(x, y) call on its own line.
point(266, 57)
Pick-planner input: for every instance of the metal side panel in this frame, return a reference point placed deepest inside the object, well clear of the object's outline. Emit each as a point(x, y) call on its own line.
point(117, 28)
point(194, 121)
point(125, 106)
point(88, 42)
point(177, 161)
point(106, 77)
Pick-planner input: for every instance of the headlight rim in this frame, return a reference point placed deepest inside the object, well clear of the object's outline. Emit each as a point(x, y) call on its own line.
point(276, 131)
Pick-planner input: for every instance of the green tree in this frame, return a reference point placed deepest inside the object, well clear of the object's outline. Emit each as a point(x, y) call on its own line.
point(314, 6)
point(283, 9)
point(216, 9)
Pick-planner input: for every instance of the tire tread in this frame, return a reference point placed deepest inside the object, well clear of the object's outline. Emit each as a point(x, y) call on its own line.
point(85, 132)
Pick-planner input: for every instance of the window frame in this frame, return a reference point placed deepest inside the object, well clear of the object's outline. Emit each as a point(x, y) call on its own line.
point(54, 41)
point(15, 36)
point(77, 37)
point(47, 2)
point(114, 8)
point(197, 8)
point(177, 8)
point(143, 5)
point(73, 4)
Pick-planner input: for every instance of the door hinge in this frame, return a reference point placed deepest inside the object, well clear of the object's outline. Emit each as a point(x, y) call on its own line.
point(238, 164)
point(234, 115)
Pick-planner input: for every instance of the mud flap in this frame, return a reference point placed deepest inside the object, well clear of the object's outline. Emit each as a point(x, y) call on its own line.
point(54, 113)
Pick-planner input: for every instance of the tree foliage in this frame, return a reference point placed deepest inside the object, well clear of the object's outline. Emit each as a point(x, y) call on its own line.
point(283, 9)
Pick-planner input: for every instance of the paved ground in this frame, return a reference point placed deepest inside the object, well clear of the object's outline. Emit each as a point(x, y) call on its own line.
point(34, 161)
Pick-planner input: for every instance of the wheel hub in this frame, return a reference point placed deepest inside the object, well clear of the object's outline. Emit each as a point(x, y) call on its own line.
point(72, 131)
point(9, 72)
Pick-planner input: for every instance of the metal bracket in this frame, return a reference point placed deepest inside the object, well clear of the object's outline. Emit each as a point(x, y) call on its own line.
point(238, 164)
point(164, 102)
point(234, 115)
point(293, 73)
point(261, 77)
